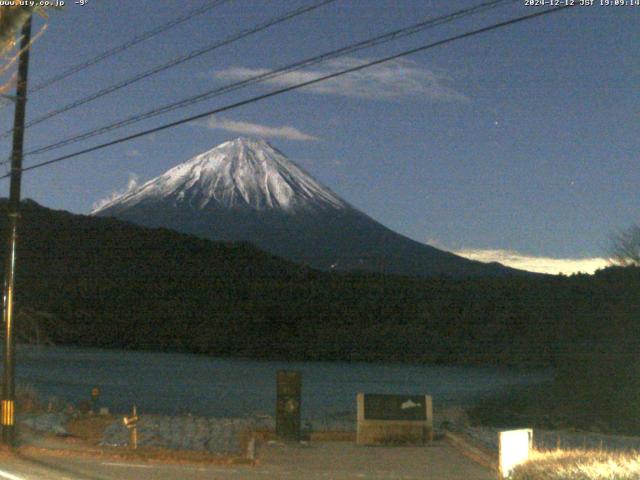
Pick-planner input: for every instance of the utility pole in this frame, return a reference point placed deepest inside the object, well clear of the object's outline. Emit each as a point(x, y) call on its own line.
point(8, 377)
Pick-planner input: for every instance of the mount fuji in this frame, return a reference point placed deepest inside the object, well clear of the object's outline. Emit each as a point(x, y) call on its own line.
point(246, 190)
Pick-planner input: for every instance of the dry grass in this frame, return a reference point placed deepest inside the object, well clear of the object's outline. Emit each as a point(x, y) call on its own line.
point(90, 429)
point(580, 465)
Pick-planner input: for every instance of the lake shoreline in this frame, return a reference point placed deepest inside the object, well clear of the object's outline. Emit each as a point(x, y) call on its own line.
point(182, 384)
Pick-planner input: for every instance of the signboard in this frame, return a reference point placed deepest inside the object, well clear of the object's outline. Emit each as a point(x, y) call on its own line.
point(394, 407)
point(515, 446)
point(288, 404)
point(394, 419)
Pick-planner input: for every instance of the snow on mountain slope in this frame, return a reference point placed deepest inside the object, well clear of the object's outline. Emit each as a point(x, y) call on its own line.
point(246, 190)
point(239, 174)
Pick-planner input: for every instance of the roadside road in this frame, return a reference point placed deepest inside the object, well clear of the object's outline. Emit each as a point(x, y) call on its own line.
point(313, 461)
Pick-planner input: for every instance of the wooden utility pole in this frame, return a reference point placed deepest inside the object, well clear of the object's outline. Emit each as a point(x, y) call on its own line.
point(8, 376)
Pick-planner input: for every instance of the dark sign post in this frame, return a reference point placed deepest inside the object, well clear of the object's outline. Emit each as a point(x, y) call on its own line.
point(289, 392)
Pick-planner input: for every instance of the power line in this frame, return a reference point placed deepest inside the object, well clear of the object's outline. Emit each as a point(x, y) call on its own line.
point(296, 87)
point(371, 42)
point(177, 61)
point(126, 45)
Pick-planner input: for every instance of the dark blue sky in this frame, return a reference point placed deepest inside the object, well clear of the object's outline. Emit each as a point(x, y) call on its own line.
point(525, 139)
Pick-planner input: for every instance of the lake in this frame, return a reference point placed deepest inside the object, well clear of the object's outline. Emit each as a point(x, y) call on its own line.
point(165, 383)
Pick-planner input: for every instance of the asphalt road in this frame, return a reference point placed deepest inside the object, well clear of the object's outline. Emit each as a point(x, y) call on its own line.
point(339, 461)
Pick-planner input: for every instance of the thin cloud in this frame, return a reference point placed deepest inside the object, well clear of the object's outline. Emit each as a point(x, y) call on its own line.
point(394, 79)
point(132, 183)
point(437, 243)
point(531, 263)
point(256, 129)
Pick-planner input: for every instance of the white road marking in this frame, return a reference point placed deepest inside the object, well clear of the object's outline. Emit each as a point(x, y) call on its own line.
point(9, 476)
point(218, 470)
point(126, 465)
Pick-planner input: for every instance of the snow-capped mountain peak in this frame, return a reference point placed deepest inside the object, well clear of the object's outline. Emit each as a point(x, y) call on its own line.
point(246, 190)
point(244, 173)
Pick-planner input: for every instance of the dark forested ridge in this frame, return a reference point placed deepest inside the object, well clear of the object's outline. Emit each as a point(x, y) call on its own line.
point(103, 282)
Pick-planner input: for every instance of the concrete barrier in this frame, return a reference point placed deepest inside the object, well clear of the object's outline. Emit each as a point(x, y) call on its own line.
point(473, 450)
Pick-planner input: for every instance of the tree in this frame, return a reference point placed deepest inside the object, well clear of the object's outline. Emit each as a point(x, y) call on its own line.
point(625, 250)
point(11, 21)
